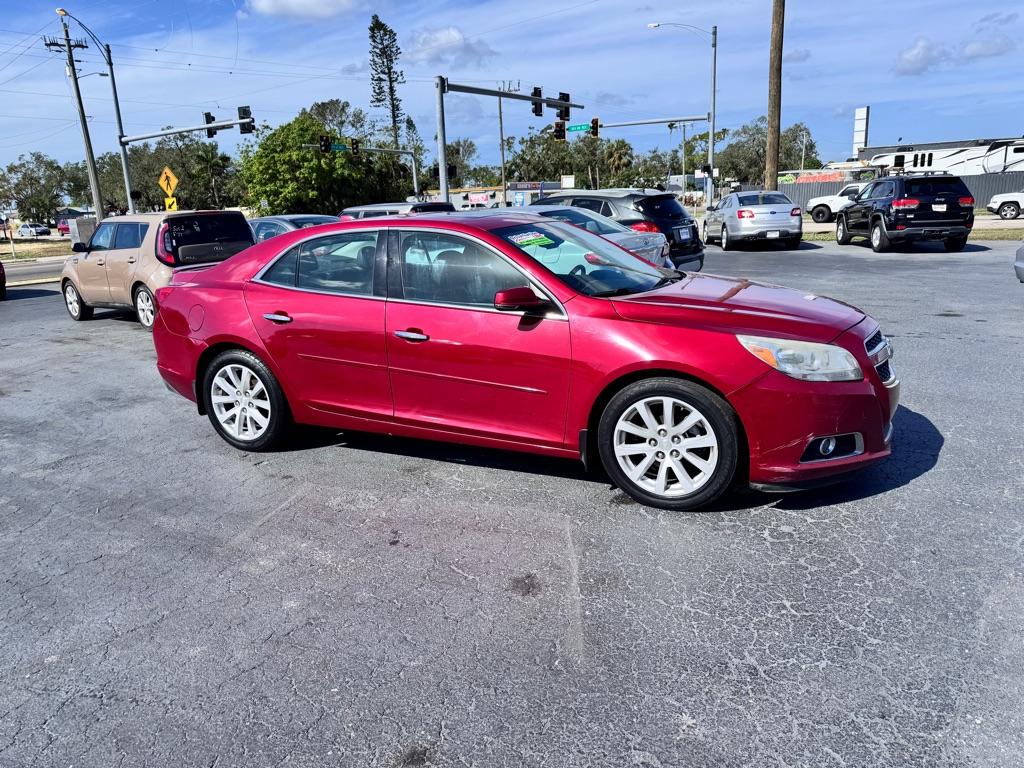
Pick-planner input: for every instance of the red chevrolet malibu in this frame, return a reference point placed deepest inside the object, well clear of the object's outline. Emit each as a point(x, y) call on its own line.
point(509, 330)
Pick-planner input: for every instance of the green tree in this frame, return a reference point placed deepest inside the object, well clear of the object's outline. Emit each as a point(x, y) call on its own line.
point(36, 184)
point(743, 158)
point(341, 119)
point(385, 76)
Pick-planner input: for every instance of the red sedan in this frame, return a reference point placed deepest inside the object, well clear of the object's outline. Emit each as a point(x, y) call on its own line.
point(509, 330)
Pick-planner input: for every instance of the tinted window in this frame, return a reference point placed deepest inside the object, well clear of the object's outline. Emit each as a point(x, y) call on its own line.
point(185, 231)
point(341, 263)
point(590, 204)
point(312, 221)
point(764, 198)
point(433, 207)
point(448, 269)
point(589, 223)
point(102, 237)
point(129, 235)
point(662, 206)
point(883, 189)
point(283, 270)
point(848, 191)
point(936, 186)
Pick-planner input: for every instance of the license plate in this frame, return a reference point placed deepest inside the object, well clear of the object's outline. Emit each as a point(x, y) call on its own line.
point(771, 235)
point(940, 207)
point(682, 235)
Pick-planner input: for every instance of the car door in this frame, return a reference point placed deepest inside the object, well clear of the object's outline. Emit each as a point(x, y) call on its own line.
point(122, 259)
point(92, 265)
point(319, 310)
point(858, 212)
point(458, 364)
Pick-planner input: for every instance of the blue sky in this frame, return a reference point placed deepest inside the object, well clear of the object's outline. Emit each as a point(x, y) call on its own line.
point(934, 70)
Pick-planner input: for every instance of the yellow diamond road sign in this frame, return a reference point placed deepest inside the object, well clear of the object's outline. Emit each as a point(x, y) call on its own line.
point(168, 181)
point(171, 203)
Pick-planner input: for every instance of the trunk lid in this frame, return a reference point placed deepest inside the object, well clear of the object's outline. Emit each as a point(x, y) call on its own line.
point(938, 200)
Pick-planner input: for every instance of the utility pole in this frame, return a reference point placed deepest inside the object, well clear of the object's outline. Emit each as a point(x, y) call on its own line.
point(684, 161)
point(711, 127)
point(69, 47)
point(803, 151)
point(771, 158)
point(505, 86)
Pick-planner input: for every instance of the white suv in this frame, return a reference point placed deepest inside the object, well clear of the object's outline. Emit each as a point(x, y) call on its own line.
point(1008, 205)
point(824, 208)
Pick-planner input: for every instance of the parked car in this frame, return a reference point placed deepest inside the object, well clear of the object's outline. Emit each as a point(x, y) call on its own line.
point(3, 282)
point(129, 257)
point(266, 227)
point(651, 246)
point(907, 208)
point(29, 229)
point(762, 215)
point(1007, 205)
point(1018, 265)
point(392, 209)
point(518, 332)
point(824, 208)
point(645, 210)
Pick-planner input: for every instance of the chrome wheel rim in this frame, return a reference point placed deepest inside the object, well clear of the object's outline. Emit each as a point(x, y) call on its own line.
point(839, 230)
point(1008, 212)
point(725, 236)
point(71, 299)
point(144, 308)
point(240, 402)
point(876, 237)
point(666, 447)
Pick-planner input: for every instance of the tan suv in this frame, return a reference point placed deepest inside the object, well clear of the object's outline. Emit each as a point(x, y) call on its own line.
point(129, 257)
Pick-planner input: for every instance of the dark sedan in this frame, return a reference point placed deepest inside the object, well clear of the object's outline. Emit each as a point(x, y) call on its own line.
point(267, 227)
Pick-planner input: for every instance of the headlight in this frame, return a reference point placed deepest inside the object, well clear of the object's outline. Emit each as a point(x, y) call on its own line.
point(804, 359)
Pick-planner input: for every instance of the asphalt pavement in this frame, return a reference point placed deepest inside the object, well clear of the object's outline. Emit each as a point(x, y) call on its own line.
point(362, 600)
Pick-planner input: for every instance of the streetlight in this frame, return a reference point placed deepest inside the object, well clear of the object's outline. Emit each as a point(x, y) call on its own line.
point(105, 51)
point(713, 34)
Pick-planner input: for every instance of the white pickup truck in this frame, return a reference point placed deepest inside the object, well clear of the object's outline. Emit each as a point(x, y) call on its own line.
point(824, 209)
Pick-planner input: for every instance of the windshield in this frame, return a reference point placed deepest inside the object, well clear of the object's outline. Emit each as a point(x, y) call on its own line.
point(765, 198)
point(589, 223)
point(313, 221)
point(583, 261)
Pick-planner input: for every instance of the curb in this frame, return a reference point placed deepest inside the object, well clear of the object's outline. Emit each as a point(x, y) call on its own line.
point(36, 281)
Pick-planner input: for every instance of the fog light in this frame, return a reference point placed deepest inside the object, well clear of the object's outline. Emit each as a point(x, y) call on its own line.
point(827, 446)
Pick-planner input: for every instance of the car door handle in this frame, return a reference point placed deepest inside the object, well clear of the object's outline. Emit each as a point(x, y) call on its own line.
point(100, 262)
point(277, 317)
point(414, 336)
point(131, 260)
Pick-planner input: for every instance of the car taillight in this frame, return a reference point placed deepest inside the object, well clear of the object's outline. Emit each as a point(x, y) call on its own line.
point(795, 212)
point(906, 204)
point(966, 202)
point(163, 245)
point(644, 226)
point(744, 213)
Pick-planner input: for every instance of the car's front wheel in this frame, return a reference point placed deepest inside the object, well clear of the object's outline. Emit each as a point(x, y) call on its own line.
point(842, 232)
point(1009, 211)
point(726, 242)
point(77, 308)
point(244, 401)
point(669, 443)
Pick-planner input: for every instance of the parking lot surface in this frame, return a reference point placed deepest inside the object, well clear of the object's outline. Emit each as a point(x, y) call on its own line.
point(358, 600)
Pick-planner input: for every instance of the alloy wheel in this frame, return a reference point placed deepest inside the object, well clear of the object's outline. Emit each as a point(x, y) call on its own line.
point(725, 238)
point(876, 237)
point(240, 402)
point(144, 307)
point(71, 299)
point(666, 446)
point(840, 230)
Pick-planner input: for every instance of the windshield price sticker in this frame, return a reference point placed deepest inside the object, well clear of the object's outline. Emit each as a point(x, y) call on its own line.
point(531, 238)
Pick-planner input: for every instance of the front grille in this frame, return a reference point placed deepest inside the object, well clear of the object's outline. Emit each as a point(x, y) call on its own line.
point(874, 342)
point(884, 371)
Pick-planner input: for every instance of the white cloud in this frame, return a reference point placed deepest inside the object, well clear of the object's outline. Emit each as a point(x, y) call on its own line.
point(923, 55)
point(308, 9)
point(987, 47)
point(797, 55)
point(448, 45)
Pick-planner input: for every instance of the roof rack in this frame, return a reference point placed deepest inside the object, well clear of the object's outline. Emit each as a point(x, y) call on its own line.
point(902, 171)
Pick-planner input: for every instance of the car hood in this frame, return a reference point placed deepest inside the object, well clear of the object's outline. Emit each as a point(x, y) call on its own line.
point(745, 306)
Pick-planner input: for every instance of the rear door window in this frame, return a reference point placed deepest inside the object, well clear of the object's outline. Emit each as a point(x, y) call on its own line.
point(341, 263)
point(207, 237)
point(591, 204)
point(129, 235)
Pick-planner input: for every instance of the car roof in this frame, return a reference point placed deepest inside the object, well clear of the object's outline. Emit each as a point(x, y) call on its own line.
point(481, 218)
point(612, 192)
point(377, 206)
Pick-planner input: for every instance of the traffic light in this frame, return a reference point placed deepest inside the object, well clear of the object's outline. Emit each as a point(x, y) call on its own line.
point(563, 112)
point(353, 145)
point(538, 105)
point(209, 118)
point(595, 127)
point(325, 143)
point(560, 130)
point(244, 113)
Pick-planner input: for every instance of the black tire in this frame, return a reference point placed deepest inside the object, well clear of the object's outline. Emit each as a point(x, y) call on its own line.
point(279, 415)
point(821, 214)
point(792, 243)
point(725, 241)
point(715, 411)
point(843, 236)
point(879, 240)
point(75, 306)
point(954, 244)
point(144, 313)
point(1009, 211)
point(707, 239)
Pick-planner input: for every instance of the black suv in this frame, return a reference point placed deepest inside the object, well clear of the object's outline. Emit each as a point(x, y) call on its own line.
point(904, 208)
point(645, 210)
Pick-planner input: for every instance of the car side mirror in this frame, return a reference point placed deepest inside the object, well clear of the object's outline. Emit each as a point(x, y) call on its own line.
point(711, 208)
point(520, 298)
point(79, 248)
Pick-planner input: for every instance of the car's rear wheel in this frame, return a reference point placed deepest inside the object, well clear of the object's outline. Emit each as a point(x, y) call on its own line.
point(727, 244)
point(879, 240)
point(842, 233)
point(954, 244)
point(792, 243)
point(244, 401)
point(1009, 211)
point(821, 214)
point(77, 308)
point(669, 443)
point(145, 307)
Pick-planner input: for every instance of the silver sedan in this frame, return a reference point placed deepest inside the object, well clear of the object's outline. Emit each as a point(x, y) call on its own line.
point(651, 246)
point(762, 215)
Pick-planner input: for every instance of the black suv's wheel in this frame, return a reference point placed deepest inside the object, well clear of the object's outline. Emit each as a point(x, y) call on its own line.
point(842, 233)
point(879, 240)
point(954, 244)
point(77, 308)
point(1009, 211)
point(669, 443)
point(821, 214)
point(245, 403)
